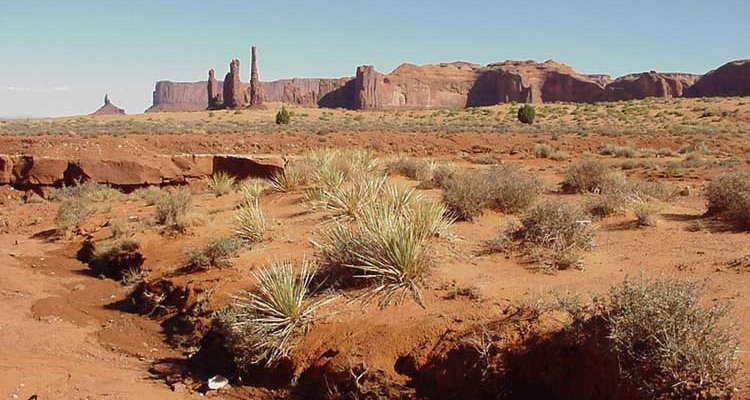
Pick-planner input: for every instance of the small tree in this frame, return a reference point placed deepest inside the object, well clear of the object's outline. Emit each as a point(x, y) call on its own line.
point(526, 114)
point(283, 116)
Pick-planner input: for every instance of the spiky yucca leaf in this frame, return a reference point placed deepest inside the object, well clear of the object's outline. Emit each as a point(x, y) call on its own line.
point(347, 202)
point(251, 189)
point(273, 315)
point(291, 178)
point(251, 224)
point(221, 183)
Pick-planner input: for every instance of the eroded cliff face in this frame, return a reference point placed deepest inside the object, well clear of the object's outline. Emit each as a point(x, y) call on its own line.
point(650, 84)
point(731, 79)
point(461, 84)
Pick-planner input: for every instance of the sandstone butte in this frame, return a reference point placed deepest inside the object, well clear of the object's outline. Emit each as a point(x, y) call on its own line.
point(459, 84)
point(108, 108)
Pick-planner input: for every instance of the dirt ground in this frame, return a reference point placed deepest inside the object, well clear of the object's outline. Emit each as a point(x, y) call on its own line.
point(65, 334)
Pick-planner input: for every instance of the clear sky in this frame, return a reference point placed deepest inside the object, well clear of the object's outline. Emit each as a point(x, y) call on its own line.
point(60, 57)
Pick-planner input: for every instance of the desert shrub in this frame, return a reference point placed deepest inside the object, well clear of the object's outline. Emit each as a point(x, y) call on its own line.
point(669, 345)
point(72, 212)
point(172, 210)
point(505, 188)
point(251, 224)
point(604, 205)
point(729, 195)
point(90, 190)
point(547, 151)
point(511, 189)
point(413, 168)
point(645, 212)
point(118, 227)
point(283, 117)
point(725, 189)
point(262, 326)
point(554, 232)
point(617, 151)
point(441, 173)
point(152, 194)
point(587, 176)
point(526, 114)
point(116, 260)
point(220, 184)
point(466, 194)
point(290, 179)
point(216, 253)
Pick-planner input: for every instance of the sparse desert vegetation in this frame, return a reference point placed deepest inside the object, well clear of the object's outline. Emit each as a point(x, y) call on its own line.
point(429, 245)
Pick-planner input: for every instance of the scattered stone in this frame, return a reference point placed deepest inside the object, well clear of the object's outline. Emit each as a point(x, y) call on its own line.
point(217, 382)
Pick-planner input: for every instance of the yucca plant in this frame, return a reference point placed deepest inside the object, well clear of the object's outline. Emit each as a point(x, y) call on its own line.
point(220, 184)
point(251, 224)
point(429, 218)
point(251, 189)
point(290, 179)
point(264, 323)
point(347, 202)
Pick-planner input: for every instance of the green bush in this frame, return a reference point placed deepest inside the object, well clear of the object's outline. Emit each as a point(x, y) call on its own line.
point(526, 114)
point(72, 212)
point(283, 117)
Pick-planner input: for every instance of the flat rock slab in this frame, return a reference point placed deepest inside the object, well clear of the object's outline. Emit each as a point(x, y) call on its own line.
point(27, 170)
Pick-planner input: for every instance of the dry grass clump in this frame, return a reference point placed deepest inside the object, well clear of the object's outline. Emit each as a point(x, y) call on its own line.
point(251, 224)
point(617, 151)
point(420, 170)
point(729, 195)
point(216, 253)
point(440, 174)
point(173, 211)
point(549, 152)
point(262, 326)
point(72, 212)
point(553, 233)
point(221, 183)
point(77, 203)
point(291, 178)
point(251, 189)
point(152, 194)
point(646, 212)
point(387, 247)
point(119, 227)
point(669, 345)
point(504, 188)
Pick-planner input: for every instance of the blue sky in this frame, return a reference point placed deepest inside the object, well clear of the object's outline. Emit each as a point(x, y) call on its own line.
point(60, 57)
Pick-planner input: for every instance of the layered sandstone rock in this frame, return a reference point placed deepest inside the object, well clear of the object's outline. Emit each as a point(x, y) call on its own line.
point(108, 108)
point(179, 96)
point(650, 84)
point(311, 92)
point(255, 94)
point(32, 171)
point(731, 79)
point(234, 91)
point(215, 99)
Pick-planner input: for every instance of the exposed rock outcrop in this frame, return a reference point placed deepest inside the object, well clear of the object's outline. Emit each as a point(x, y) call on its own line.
point(108, 108)
point(461, 84)
point(234, 92)
point(650, 84)
point(256, 90)
point(179, 96)
point(32, 171)
point(731, 79)
point(215, 99)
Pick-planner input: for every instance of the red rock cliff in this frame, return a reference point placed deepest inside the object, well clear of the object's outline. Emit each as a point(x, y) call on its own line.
point(731, 79)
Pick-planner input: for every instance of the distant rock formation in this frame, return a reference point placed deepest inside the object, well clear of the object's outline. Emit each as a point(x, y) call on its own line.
point(108, 108)
point(462, 84)
point(215, 99)
point(256, 90)
point(650, 84)
point(179, 96)
point(234, 92)
point(731, 79)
